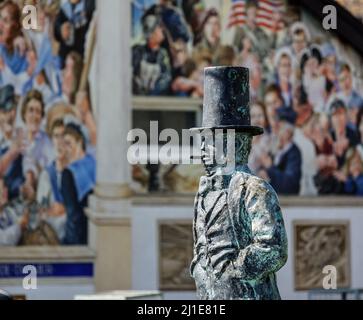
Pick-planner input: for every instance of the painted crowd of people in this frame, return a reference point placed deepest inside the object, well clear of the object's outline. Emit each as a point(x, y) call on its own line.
point(47, 127)
point(302, 93)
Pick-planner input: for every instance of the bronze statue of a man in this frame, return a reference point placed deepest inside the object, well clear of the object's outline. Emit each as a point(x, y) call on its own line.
point(239, 235)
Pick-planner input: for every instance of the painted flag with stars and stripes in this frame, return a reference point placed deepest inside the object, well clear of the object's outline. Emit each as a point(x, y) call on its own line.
point(266, 13)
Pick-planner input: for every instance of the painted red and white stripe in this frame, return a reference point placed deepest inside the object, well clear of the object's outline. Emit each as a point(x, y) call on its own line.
point(266, 14)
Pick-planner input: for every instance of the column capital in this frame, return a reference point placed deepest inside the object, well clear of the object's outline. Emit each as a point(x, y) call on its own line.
point(112, 191)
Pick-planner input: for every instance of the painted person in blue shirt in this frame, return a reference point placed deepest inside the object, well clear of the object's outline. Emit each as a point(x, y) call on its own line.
point(11, 144)
point(354, 179)
point(18, 62)
point(78, 181)
point(351, 98)
point(10, 29)
point(343, 135)
point(49, 191)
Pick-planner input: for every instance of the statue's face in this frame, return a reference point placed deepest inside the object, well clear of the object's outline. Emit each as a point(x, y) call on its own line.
point(208, 156)
point(220, 154)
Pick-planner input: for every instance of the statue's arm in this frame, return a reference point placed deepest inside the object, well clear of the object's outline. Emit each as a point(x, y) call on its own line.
point(268, 251)
point(195, 239)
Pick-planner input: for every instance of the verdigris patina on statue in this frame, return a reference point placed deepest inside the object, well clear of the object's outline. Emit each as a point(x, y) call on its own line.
point(239, 235)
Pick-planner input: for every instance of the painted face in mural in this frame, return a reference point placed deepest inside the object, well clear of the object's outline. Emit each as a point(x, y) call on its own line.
point(339, 120)
point(157, 37)
point(41, 17)
point(73, 148)
point(247, 44)
point(312, 66)
point(212, 29)
point(258, 116)
point(251, 16)
point(68, 76)
point(277, 18)
point(284, 68)
point(255, 76)
point(299, 42)
point(330, 64)
point(345, 80)
point(58, 141)
point(285, 134)
point(272, 102)
point(356, 166)
point(180, 54)
point(9, 25)
point(33, 115)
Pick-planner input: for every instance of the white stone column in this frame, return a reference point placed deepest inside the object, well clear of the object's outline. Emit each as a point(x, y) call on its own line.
point(114, 96)
point(109, 208)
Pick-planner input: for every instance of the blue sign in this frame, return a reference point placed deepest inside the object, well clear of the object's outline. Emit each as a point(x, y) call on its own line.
point(48, 270)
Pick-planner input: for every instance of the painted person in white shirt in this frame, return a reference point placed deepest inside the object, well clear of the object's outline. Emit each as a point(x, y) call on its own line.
point(39, 152)
point(49, 186)
point(309, 164)
point(313, 80)
point(300, 39)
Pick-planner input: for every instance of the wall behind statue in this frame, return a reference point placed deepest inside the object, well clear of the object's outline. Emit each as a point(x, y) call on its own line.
point(145, 247)
point(150, 244)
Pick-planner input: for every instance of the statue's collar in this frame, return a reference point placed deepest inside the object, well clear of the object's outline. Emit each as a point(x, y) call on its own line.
point(219, 182)
point(242, 168)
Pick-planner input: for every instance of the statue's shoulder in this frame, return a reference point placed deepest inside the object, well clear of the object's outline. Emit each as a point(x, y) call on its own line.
point(252, 184)
point(256, 193)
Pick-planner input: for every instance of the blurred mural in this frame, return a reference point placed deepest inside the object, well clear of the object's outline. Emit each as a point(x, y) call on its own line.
point(47, 126)
point(304, 91)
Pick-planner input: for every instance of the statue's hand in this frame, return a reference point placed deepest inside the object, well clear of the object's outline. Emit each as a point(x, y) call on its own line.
point(228, 271)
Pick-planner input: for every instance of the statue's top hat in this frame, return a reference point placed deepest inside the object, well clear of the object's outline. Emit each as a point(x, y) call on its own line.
point(226, 100)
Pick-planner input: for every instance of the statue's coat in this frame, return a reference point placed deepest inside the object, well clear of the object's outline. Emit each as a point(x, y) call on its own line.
point(239, 238)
